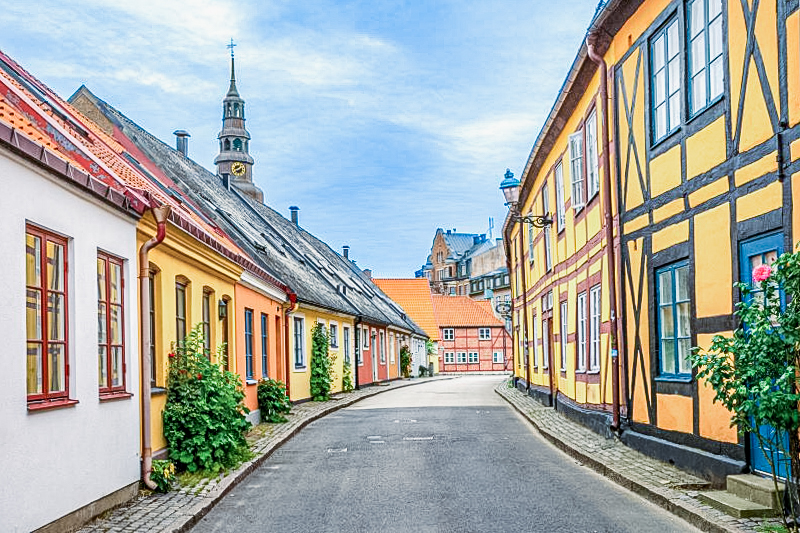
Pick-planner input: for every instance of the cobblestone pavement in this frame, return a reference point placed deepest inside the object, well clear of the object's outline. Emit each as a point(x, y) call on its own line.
point(181, 508)
point(659, 482)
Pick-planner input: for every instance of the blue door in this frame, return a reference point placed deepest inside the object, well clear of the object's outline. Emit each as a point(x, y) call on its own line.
point(752, 253)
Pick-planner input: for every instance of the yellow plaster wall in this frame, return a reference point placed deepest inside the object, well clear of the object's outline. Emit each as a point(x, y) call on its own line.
point(756, 169)
point(665, 171)
point(674, 412)
point(759, 202)
point(737, 30)
point(712, 249)
point(706, 148)
point(714, 418)
point(665, 211)
point(793, 67)
point(766, 35)
point(670, 235)
point(632, 193)
point(637, 223)
point(712, 190)
point(756, 125)
point(635, 253)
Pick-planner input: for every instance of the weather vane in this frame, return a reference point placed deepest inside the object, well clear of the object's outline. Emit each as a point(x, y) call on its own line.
point(231, 46)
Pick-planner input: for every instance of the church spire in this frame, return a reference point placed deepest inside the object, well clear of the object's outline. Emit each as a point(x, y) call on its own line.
point(234, 163)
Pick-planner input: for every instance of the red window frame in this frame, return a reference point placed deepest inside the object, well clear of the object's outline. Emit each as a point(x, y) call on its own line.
point(44, 341)
point(108, 387)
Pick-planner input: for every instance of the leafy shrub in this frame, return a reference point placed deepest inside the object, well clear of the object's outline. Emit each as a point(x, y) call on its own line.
point(405, 361)
point(347, 377)
point(273, 401)
point(204, 418)
point(423, 371)
point(163, 475)
point(321, 368)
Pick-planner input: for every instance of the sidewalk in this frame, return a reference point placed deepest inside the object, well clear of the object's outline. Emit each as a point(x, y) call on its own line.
point(659, 482)
point(180, 509)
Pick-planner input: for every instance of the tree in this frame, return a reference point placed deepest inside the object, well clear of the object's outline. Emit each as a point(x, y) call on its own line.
point(754, 373)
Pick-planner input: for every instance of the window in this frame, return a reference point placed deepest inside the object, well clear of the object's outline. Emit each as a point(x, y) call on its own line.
point(334, 336)
point(180, 311)
point(561, 208)
point(484, 334)
point(545, 343)
point(299, 356)
point(110, 324)
point(449, 358)
point(346, 341)
point(564, 334)
point(264, 345)
point(592, 163)
point(383, 348)
point(535, 342)
point(594, 328)
point(366, 338)
point(666, 80)
point(497, 358)
point(530, 239)
point(207, 322)
point(226, 364)
point(447, 334)
point(548, 258)
point(580, 329)
point(576, 169)
point(151, 287)
point(705, 52)
point(672, 289)
point(248, 343)
point(462, 357)
point(46, 315)
point(237, 145)
point(473, 357)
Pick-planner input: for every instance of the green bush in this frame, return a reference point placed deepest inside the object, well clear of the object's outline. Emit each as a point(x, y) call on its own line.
point(204, 418)
point(423, 371)
point(347, 377)
point(273, 401)
point(163, 475)
point(405, 361)
point(321, 368)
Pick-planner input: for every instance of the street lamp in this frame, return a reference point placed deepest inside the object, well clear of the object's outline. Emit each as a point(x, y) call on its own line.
point(510, 187)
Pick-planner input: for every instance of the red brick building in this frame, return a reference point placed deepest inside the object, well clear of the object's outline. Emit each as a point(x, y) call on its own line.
point(472, 339)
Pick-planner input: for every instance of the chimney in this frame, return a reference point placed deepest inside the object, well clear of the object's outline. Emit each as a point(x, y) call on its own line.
point(346, 251)
point(448, 232)
point(182, 141)
point(476, 239)
point(295, 215)
point(368, 273)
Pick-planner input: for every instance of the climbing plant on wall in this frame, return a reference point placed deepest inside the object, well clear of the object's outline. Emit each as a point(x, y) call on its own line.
point(321, 367)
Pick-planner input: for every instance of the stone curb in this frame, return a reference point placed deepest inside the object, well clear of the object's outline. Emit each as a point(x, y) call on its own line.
point(226, 485)
point(674, 506)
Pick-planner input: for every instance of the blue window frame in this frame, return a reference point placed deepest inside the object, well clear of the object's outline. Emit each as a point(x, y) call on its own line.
point(264, 344)
point(704, 30)
point(665, 80)
point(299, 358)
point(673, 294)
point(248, 342)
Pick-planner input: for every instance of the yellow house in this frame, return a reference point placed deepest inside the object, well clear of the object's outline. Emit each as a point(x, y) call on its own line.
point(668, 165)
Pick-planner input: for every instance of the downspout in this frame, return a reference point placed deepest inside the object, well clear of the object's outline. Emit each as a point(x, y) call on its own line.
point(357, 351)
point(160, 214)
point(286, 350)
point(591, 45)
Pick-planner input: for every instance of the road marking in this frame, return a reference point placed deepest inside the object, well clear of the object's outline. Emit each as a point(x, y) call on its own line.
point(272, 467)
point(337, 450)
point(377, 442)
point(374, 437)
point(418, 438)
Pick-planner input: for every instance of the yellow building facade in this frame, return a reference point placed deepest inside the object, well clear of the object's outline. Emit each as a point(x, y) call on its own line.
point(701, 150)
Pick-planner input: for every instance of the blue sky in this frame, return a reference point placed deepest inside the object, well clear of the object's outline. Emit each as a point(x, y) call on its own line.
point(381, 119)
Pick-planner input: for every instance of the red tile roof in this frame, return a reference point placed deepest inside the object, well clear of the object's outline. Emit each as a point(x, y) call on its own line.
point(462, 311)
point(414, 296)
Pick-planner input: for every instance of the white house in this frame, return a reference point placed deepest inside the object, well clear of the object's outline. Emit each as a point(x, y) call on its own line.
point(69, 388)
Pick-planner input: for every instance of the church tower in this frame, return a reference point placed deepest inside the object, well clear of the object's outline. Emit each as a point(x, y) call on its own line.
point(234, 163)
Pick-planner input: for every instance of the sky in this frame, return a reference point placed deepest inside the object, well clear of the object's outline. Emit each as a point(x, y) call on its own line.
point(382, 120)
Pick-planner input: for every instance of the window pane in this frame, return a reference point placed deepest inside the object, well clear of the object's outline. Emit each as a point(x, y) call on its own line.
point(661, 121)
point(672, 40)
point(665, 287)
point(698, 54)
point(116, 324)
point(668, 357)
point(715, 73)
point(666, 321)
point(658, 53)
point(661, 83)
point(674, 111)
point(116, 283)
point(683, 319)
point(56, 367)
point(34, 368)
point(684, 349)
point(696, 18)
point(715, 38)
point(33, 258)
point(55, 317)
point(55, 266)
point(674, 76)
point(714, 8)
point(116, 366)
point(102, 366)
point(698, 92)
point(33, 315)
point(101, 323)
point(682, 283)
point(101, 279)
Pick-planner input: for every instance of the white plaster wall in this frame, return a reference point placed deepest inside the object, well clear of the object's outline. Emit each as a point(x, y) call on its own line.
point(54, 462)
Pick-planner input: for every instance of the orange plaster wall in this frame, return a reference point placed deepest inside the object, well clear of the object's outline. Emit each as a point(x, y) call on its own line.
point(248, 298)
point(715, 420)
point(674, 412)
point(713, 280)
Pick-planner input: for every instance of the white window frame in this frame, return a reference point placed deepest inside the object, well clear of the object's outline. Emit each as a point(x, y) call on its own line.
point(461, 357)
point(564, 317)
point(497, 358)
point(485, 334)
point(473, 358)
point(333, 334)
point(592, 161)
point(449, 358)
point(576, 169)
point(561, 206)
point(580, 332)
point(299, 347)
point(595, 308)
point(346, 343)
point(448, 334)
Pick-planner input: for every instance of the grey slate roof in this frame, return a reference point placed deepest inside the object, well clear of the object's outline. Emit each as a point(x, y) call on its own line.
point(318, 275)
point(458, 243)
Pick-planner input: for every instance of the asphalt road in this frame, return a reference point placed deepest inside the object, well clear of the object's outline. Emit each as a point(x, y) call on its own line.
point(445, 456)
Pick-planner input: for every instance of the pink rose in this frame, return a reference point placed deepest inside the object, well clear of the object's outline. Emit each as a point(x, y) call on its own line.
point(761, 273)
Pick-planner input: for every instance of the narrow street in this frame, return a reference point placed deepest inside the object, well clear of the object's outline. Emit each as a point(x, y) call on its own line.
point(447, 456)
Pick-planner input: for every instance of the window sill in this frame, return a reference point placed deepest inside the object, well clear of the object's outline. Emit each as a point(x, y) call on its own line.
point(46, 405)
point(677, 378)
point(158, 391)
point(114, 396)
point(593, 371)
point(299, 368)
point(251, 382)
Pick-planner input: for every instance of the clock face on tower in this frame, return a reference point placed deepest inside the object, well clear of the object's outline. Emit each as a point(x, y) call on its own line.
point(238, 169)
